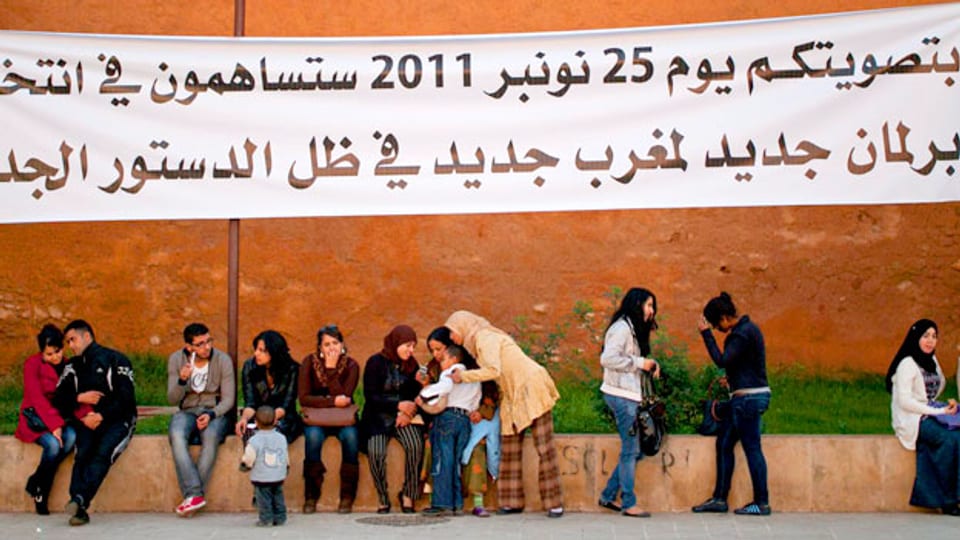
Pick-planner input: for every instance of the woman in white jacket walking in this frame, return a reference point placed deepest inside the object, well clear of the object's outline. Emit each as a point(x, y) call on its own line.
point(626, 351)
point(915, 381)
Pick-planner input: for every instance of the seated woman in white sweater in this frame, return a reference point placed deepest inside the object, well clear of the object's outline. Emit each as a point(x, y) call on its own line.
point(915, 380)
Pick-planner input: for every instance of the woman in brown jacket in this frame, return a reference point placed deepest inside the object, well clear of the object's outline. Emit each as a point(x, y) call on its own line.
point(528, 395)
point(328, 378)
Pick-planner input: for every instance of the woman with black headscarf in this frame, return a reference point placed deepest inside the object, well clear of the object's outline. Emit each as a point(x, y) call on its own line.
point(389, 388)
point(915, 380)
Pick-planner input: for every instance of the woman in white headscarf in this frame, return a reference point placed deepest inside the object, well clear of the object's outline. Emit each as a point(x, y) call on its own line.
point(528, 395)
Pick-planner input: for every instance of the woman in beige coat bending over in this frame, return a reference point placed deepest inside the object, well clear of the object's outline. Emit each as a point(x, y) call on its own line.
point(528, 396)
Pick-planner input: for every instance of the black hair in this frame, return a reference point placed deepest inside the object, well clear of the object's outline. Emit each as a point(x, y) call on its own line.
point(194, 330)
point(265, 415)
point(456, 352)
point(719, 307)
point(442, 335)
point(50, 336)
point(276, 345)
point(330, 330)
point(910, 348)
point(80, 325)
point(631, 308)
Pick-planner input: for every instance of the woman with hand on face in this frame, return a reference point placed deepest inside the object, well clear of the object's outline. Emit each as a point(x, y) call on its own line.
point(270, 378)
point(625, 357)
point(40, 375)
point(744, 359)
point(915, 380)
point(390, 388)
point(328, 378)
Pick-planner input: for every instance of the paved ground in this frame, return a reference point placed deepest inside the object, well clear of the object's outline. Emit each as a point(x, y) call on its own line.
point(239, 526)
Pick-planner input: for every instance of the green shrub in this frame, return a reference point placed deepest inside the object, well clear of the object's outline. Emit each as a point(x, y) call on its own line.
point(802, 402)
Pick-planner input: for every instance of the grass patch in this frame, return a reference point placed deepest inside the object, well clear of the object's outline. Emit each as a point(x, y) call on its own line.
point(150, 377)
point(839, 403)
point(802, 404)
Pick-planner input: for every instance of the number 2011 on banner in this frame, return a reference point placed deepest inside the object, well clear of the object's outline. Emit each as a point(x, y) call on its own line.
point(409, 72)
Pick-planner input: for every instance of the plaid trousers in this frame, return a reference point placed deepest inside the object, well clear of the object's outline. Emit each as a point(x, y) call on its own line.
point(510, 483)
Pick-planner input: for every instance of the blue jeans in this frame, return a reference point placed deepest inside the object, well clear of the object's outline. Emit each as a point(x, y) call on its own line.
point(51, 456)
point(193, 478)
point(313, 437)
point(744, 426)
point(271, 506)
point(622, 478)
point(448, 439)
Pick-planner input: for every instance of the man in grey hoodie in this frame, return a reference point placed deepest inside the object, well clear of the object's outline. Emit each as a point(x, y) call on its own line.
point(201, 381)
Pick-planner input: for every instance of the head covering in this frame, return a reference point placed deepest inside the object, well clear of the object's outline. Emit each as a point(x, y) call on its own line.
point(911, 348)
point(467, 324)
point(398, 336)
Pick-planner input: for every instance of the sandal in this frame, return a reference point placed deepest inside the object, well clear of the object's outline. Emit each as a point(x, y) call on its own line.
point(609, 505)
point(404, 508)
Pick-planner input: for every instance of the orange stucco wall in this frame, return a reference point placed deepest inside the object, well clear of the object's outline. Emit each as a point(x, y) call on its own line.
point(832, 287)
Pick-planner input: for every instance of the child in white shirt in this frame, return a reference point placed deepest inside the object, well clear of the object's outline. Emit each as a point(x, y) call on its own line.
point(452, 403)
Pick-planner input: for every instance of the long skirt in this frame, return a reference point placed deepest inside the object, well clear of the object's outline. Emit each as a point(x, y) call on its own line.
point(938, 466)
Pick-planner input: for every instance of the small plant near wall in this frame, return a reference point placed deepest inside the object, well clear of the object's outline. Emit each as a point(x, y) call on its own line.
point(570, 350)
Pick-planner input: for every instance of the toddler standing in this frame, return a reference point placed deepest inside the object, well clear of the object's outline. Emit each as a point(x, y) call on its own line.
point(266, 456)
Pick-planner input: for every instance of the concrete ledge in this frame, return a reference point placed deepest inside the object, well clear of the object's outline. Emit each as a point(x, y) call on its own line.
point(806, 474)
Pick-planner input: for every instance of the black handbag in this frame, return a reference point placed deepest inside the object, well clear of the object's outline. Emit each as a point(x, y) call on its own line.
point(715, 411)
point(34, 422)
point(651, 422)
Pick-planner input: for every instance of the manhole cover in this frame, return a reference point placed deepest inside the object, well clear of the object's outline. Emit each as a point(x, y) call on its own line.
point(402, 521)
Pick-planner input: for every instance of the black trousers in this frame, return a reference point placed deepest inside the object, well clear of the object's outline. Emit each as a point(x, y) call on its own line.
point(96, 451)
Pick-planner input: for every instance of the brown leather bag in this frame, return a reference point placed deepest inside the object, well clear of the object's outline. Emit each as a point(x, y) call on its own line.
point(330, 416)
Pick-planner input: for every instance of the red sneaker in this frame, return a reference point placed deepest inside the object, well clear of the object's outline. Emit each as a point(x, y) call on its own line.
point(190, 505)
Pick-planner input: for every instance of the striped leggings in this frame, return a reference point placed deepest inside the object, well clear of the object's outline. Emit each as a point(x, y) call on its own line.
point(411, 439)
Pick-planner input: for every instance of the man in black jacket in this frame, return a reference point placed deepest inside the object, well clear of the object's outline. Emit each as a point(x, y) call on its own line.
point(97, 387)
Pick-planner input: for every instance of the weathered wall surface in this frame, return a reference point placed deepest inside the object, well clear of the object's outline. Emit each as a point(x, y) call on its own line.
point(807, 474)
point(832, 287)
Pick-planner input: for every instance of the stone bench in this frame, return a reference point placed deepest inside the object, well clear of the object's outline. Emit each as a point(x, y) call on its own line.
point(850, 473)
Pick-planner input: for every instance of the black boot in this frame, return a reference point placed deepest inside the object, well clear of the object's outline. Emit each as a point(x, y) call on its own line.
point(39, 489)
point(312, 485)
point(32, 485)
point(349, 477)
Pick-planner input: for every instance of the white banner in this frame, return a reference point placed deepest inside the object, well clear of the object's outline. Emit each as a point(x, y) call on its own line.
point(856, 108)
